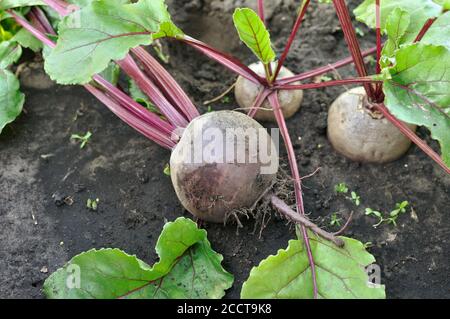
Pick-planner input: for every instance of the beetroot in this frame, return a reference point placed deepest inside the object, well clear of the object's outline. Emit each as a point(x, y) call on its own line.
point(227, 171)
point(247, 91)
point(359, 135)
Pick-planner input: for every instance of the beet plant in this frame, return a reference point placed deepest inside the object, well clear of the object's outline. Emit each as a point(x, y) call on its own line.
point(412, 67)
point(12, 40)
point(92, 34)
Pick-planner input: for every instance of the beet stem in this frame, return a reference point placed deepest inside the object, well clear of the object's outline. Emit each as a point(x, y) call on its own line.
point(226, 60)
point(275, 103)
point(413, 137)
point(291, 215)
point(261, 10)
point(352, 43)
point(166, 83)
point(425, 29)
point(262, 96)
point(323, 69)
point(61, 7)
point(378, 32)
point(295, 28)
point(327, 84)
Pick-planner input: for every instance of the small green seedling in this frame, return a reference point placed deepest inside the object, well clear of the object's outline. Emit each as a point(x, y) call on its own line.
point(377, 214)
point(325, 78)
point(335, 220)
point(341, 188)
point(167, 170)
point(92, 204)
point(84, 139)
point(355, 198)
point(225, 99)
point(359, 32)
point(368, 244)
point(400, 208)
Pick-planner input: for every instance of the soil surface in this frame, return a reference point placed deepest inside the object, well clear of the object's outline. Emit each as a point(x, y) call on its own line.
point(39, 166)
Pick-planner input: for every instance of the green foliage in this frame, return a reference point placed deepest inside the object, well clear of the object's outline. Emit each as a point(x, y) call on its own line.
point(438, 34)
point(10, 52)
point(11, 99)
point(400, 208)
point(340, 272)
point(103, 31)
point(396, 26)
point(111, 73)
point(416, 77)
point(27, 40)
point(341, 188)
point(370, 212)
point(141, 97)
point(84, 139)
point(444, 3)
point(92, 204)
point(356, 199)
point(166, 170)
point(335, 220)
point(254, 34)
point(417, 90)
point(187, 268)
point(8, 4)
point(420, 12)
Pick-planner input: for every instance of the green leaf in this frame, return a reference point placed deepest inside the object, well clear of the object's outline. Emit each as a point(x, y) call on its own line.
point(111, 73)
point(444, 3)
point(8, 4)
point(187, 268)
point(439, 32)
point(419, 90)
point(103, 31)
point(84, 3)
point(11, 99)
point(27, 40)
point(141, 97)
point(254, 34)
point(340, 272)
point(420, 12)
point(10, 52)
point(396, 26)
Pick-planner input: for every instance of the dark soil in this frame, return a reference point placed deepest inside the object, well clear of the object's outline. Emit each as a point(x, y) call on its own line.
point(39, 165)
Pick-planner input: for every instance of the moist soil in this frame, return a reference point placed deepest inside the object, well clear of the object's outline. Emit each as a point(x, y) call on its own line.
point(40, 166)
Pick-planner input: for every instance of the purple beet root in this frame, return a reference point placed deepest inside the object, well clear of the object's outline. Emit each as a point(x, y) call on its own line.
point(224, 161)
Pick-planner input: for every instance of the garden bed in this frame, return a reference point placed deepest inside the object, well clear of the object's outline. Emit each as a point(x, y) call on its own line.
point(39, 164)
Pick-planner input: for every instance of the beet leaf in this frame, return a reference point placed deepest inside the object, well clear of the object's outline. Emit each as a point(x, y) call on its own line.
point(187, 268)
point(103, 31)
point(420, 12)
point(418, 90)
point(10, 52)
point(9, 4)
point(340, 272)
point(439, 32)
point(11, 99)
point(397, 24)
point(254, 34)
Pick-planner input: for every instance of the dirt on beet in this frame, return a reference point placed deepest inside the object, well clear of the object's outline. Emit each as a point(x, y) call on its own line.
point(46, 180)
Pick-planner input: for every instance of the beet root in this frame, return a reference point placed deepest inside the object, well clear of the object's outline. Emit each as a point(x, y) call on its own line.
point(359, 135)
point(216, 167)
point(246, 93)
